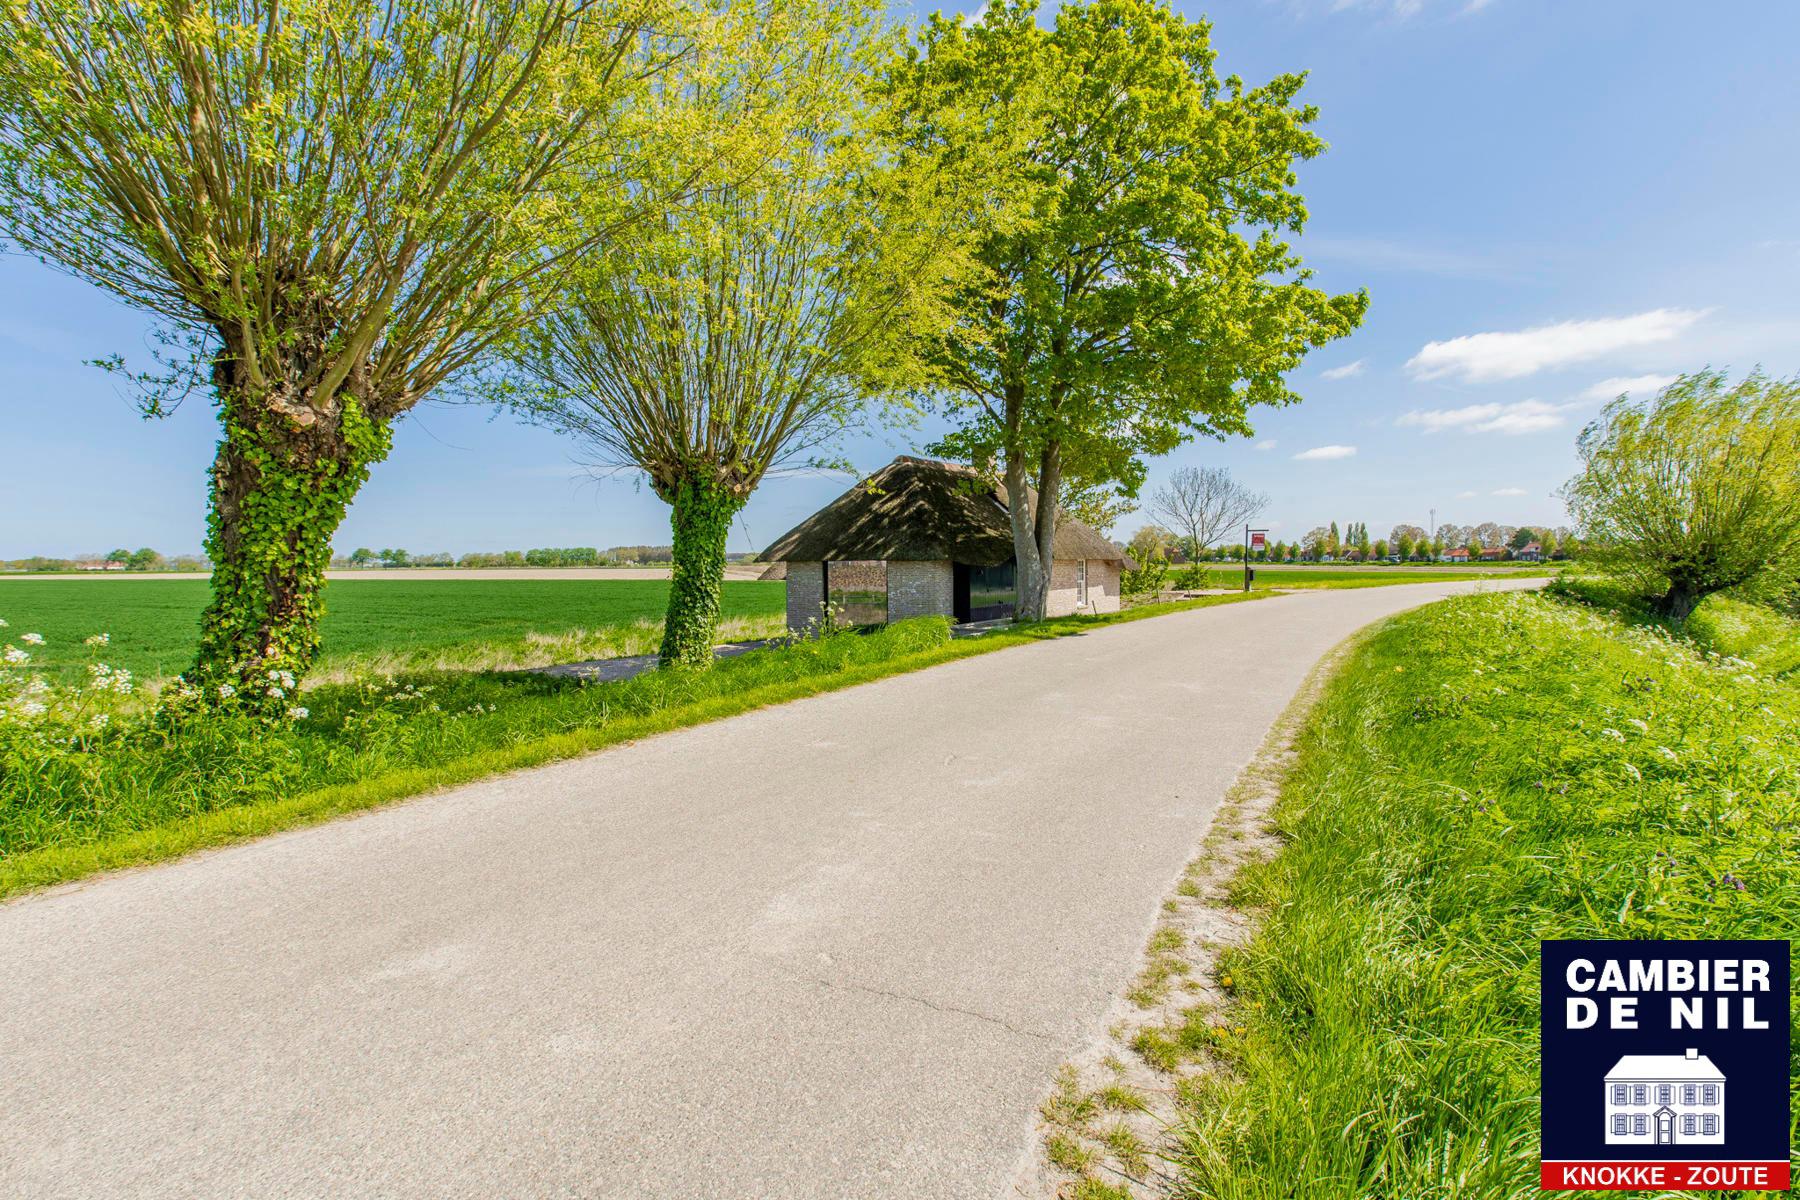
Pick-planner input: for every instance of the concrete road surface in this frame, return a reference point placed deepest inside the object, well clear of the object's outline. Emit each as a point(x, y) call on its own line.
point(831, 949)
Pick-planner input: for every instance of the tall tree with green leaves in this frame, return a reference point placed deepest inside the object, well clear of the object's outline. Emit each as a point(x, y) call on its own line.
point(334, 206)
point(1135, 288)
point(1696, 491)
point(749, 326)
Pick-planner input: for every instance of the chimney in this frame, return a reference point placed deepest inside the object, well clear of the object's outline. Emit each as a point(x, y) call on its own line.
point(1693, 1053)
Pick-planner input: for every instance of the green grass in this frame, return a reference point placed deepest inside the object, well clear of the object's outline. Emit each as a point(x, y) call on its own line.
point(1383, 576)
point(375, 624)
point(141, 792)
point(1483, 773)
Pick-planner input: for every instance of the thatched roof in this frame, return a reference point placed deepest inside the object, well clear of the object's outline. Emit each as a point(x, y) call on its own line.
point(923, 510)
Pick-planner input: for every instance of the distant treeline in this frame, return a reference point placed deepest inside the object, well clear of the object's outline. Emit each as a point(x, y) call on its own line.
point(145, 559)
point(545, 556)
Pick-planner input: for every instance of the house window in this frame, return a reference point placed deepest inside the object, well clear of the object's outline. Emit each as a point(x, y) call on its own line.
point(1619, 1096)
point(1687, 1125)
point(1709, 1125)
point(1618, 1123)
point(1665, 1093)
point(858, 590)
point(1640, 1094)
point(1637, 1125)
point(1689, 1093)
point(1081, 584)
point(1709, 1094)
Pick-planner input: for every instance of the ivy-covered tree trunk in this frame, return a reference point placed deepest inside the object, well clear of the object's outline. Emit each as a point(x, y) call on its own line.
point(282, 479)
point(701, 520)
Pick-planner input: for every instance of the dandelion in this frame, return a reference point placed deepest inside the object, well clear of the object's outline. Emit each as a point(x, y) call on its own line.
point(97, 639)
point(32, 639)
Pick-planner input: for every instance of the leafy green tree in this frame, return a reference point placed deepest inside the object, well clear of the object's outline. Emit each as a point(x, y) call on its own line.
point(121, 556)
point(334, 206)
point(1696, 491)
point(362, 556)
point(751, 325)
point(145, 559)
point(1099, 506)
point(1134, 288)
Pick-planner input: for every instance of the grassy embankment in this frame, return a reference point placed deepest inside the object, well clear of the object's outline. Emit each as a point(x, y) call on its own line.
point(1299, 577)
point(1483, 773)
point(378, 626)
point(138, 792)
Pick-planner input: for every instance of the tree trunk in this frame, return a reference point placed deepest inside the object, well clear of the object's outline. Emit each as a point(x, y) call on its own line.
point(1031, 577)
point(1680, 601)
point(700, 522)
point(282, 479)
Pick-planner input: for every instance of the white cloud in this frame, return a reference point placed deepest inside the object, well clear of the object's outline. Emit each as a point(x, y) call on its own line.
point(1347, 371)
point(1483, 357)
point(1465, 495)
point(1325, 453)
point(1266, 444)
point(1643, 385)
point(1509, 491)
point(1523, 416)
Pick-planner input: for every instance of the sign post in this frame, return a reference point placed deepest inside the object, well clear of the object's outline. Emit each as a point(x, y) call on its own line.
point(1254, 539)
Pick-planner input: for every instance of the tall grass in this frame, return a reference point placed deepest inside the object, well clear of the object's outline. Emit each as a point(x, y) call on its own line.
point(1484, 773)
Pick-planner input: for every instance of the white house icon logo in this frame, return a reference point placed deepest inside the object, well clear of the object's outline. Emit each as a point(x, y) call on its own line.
point(1665, 1100)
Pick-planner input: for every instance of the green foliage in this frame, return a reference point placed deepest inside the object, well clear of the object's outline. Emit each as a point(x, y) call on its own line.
point(1696, 491)
point(1194, 577)
point(701, 521)
point(276, 503)
point(1484, 773)
point(1148, 578)
point(1134, 288)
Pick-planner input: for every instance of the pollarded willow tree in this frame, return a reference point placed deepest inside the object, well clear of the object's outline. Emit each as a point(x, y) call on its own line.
point(336, 206)
point(748, 326)
point(1696, 491)
point(1138, 293)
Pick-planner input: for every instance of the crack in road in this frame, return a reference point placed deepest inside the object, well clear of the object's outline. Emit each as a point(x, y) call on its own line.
point(931, 1004)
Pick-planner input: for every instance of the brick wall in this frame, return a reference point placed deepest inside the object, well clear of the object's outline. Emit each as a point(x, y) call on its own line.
point(1103, 588)
point(917, 589)
point(805, 593)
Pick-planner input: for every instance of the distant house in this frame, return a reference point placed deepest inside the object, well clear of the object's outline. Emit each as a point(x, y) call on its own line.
point(921, 536)
point(1665, 1100)
point(1456, 554)
point(1493, 553)
point(1529, 552)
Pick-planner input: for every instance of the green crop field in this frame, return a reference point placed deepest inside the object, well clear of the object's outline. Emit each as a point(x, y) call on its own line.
point(390, 624)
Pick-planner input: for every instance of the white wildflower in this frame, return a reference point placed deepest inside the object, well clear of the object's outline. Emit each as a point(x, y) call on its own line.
point(296, 713)
point(226, 691)
point(31, 708)
point(98, 639)
point(1667, 753)
point(32, 639)
point(14, 655)
point(1634, 772)
point(278, 693)
point(1642, 726)
point(1614, 734)
point(102, 720)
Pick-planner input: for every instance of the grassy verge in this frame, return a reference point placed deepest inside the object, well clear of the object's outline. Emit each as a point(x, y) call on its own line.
point(143, 793)
point(1484, 773)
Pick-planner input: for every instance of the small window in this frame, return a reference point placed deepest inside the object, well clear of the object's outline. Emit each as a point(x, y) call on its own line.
point(1687, 1125)
point(1619, 1123)
point(1619, 1096)
point(1637, 1125)
point(1689, 1094)
point(1709, 1094)
point(1081, 583)
point(1640, 1094)
point(1709, 1125)
point(1665, 1093)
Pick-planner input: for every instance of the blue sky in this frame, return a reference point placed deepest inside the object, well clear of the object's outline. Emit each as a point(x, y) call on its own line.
point(1544, 197)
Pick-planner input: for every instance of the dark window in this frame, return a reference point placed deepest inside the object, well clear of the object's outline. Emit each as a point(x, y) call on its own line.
point(858, 590)
point(993, 591)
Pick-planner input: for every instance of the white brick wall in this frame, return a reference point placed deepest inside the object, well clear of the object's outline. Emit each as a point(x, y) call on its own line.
point(805, 593)
point(917, 589)
point(1103, 588)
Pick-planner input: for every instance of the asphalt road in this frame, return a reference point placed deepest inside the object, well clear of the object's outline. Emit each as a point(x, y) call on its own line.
point(832, 949)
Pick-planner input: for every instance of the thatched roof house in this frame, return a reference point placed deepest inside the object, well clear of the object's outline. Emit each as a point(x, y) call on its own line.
point(923, 536)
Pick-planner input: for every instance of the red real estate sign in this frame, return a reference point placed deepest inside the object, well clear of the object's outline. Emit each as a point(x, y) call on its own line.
point(1258, 541)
